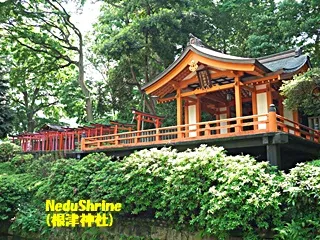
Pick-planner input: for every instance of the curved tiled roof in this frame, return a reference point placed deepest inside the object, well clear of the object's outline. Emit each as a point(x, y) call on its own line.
point(289, 64)
point(288, 61)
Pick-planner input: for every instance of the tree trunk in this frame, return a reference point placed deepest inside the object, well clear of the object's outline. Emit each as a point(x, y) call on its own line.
point(83, 86)
point(31, 122)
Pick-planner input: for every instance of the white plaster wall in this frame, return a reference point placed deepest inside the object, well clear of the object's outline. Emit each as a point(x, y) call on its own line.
point(262, 108)
point(192, 110)
point(288, 114)
point(223, 130)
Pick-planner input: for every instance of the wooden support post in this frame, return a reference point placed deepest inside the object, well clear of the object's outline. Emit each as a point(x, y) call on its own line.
point(198, 110)
point(295, 114)
point(272, 119)
point(72, 141)
point(186, 112)
point(157, 135)
point(157, 123)
point(179, 112)
point(139, 123)
point(238, 102)
point(198, 115)
point(269, 94)
point(228, 116)
point(254, 107)
point(273, 155)
point(218, 124)
point(82, 144)
point(61, 141)
point(207, 130)
point(280, 107)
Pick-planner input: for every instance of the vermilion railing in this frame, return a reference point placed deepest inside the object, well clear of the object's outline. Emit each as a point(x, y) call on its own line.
point(289, 126)
point(188, 132)
point(204, 130)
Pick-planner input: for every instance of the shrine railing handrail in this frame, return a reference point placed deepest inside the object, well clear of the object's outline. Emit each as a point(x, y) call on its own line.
point(270, 122)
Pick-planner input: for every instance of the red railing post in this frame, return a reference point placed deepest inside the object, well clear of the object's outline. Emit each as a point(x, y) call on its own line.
point(207, 129)
point(157, 135)
point(272, 119)
point(83, 144)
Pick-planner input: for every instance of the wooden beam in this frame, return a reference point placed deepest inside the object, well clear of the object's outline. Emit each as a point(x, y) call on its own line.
point(255, 73)
point(190, 101)
point(254, 80)
point(194, 79)
point(168, 99)
point(216, 99)
point(212, 89)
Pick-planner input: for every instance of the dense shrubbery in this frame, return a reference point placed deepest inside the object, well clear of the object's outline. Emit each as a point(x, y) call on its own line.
point(7, 151)
point(12, 196)
point(301, 195)
point(202, 189)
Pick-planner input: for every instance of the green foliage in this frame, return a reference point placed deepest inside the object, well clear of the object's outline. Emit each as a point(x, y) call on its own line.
point(41, 166)
point(20, 162)
point(12, 195)
point(6, 168)
point(8, 150)
point(5, 112)
point(220, 193)
point(73, 177)
point(198, 190)
point(301, 194)
point(303, 92)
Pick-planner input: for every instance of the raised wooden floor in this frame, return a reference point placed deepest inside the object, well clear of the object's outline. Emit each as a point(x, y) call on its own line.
point(268, 137)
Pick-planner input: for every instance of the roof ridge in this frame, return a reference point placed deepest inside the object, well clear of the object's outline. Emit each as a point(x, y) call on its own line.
point(281, 55)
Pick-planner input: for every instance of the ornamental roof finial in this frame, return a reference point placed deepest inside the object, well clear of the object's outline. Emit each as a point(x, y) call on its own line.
point(194, 40)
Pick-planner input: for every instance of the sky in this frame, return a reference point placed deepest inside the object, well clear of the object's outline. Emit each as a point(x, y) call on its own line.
point(84, 21)
point(87, 17)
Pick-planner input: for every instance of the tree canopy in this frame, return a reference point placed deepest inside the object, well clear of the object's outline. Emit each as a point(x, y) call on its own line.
point(131, 42)
point(303, 92)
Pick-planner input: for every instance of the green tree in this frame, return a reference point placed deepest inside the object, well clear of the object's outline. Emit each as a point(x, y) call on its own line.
point(141, 38)
point(303, 92)
point(299, 21)
point(44, 27)
point(5, 112)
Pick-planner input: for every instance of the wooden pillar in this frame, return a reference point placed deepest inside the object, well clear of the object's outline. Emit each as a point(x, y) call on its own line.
point(116, 129)
point(198, 109)
point(228, 115)
point(139, 122)
point(72, 141)
point(280, 99)
point(186, 112)
point(61, 141)
point(295, 114)
point(269, 94)
point(179, 112)
point(238, 102)
point(198, 114)
point(179, 107)
point(218, 124)
point(254, 107)
point(272, 119)
point(273, 155)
